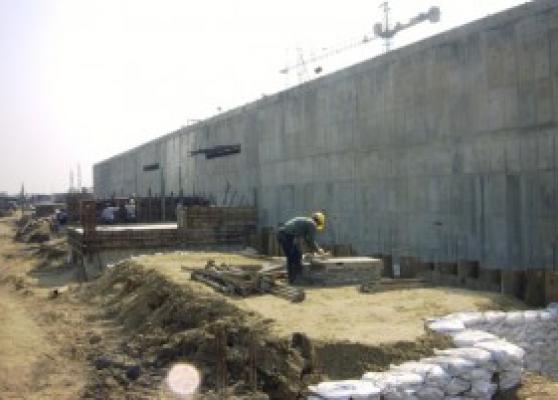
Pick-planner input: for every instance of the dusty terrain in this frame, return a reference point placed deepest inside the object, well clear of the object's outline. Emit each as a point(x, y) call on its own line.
point(341, 313)
point(116, 337)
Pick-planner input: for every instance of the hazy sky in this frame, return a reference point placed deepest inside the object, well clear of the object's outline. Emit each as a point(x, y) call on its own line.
point(83, 80)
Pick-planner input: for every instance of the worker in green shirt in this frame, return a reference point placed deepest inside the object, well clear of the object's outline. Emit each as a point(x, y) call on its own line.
point(299, 227)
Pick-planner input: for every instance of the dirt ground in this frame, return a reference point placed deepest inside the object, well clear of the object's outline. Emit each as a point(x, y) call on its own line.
point(341, 313)
point(116, 337)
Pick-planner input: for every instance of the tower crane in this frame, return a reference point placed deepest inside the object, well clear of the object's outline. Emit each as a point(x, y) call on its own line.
point(381, 31)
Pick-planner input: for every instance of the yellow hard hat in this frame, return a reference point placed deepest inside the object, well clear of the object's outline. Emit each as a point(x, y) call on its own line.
point(319, 219)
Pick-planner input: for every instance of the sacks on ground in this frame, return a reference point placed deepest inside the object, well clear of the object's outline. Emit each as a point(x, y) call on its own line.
point(415, 367)
point(505, 354)
point(430, 393)
point(438, 377)
point(456, 366)
point(394, 394)
point(432, 374)
point(515, 318)
point(446, 326)
point(469, 319)
point(479, 374)
point(478, 356)
point(460, 398)
point(494, 317)
point(346, 390)
point(530, 317)
point(457, 386)
point(468, 338)
point(400, 380)
point(482, 389)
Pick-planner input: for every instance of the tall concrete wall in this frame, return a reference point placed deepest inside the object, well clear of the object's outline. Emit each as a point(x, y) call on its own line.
point(445, 149)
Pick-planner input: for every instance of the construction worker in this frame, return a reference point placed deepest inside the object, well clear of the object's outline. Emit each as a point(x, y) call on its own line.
point(304, 228)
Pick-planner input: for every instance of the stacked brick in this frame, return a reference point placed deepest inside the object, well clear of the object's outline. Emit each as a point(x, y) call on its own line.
point(223, 225)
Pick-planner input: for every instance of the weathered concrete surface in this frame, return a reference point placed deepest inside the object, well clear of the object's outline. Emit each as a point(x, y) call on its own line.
point(444, 150)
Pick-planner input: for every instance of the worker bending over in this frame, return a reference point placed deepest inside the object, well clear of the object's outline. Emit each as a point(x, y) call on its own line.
point(303, 228)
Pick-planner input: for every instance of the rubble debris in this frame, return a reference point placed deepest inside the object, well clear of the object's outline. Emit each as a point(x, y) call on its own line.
point(245, 281)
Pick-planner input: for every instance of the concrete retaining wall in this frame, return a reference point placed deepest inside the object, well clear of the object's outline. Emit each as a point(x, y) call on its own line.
point(444, 150)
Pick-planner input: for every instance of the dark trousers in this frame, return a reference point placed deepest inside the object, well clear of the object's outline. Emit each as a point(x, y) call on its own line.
point(293, 254)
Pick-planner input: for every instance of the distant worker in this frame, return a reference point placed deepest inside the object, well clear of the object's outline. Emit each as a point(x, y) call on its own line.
point(299, 228)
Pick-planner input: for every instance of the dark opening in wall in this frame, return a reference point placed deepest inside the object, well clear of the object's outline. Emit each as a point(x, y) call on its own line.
point(218, 151)
point(151, 167)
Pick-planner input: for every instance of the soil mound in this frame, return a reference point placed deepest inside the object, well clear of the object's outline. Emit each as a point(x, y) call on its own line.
point(168, 323)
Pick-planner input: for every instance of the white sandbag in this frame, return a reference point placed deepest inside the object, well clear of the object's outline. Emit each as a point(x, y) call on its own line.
point(438, 377)
point(479, 374)
point(416, 367)
point(478, 356)
point(346, 390)
point(494, 317)
point(456, 366)
point(375, 377)
point(482, 389)
point(446, 326)
point(460, 398)
point(395, 379)
point(404, 380)
point(468, 338)
point(468, 318)
point(515, 318)
point(530, 317)
point(545, 315)
point(503, 352)
point(399, 395)
point(457, 386)
point(430, 393)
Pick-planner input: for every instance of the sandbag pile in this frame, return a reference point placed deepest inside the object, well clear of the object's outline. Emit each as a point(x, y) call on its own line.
point(492, 348)
point(535, 331)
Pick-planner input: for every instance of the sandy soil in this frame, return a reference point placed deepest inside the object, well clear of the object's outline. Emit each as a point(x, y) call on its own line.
point(49, 346)
point(343, 313)
point(38, 358)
